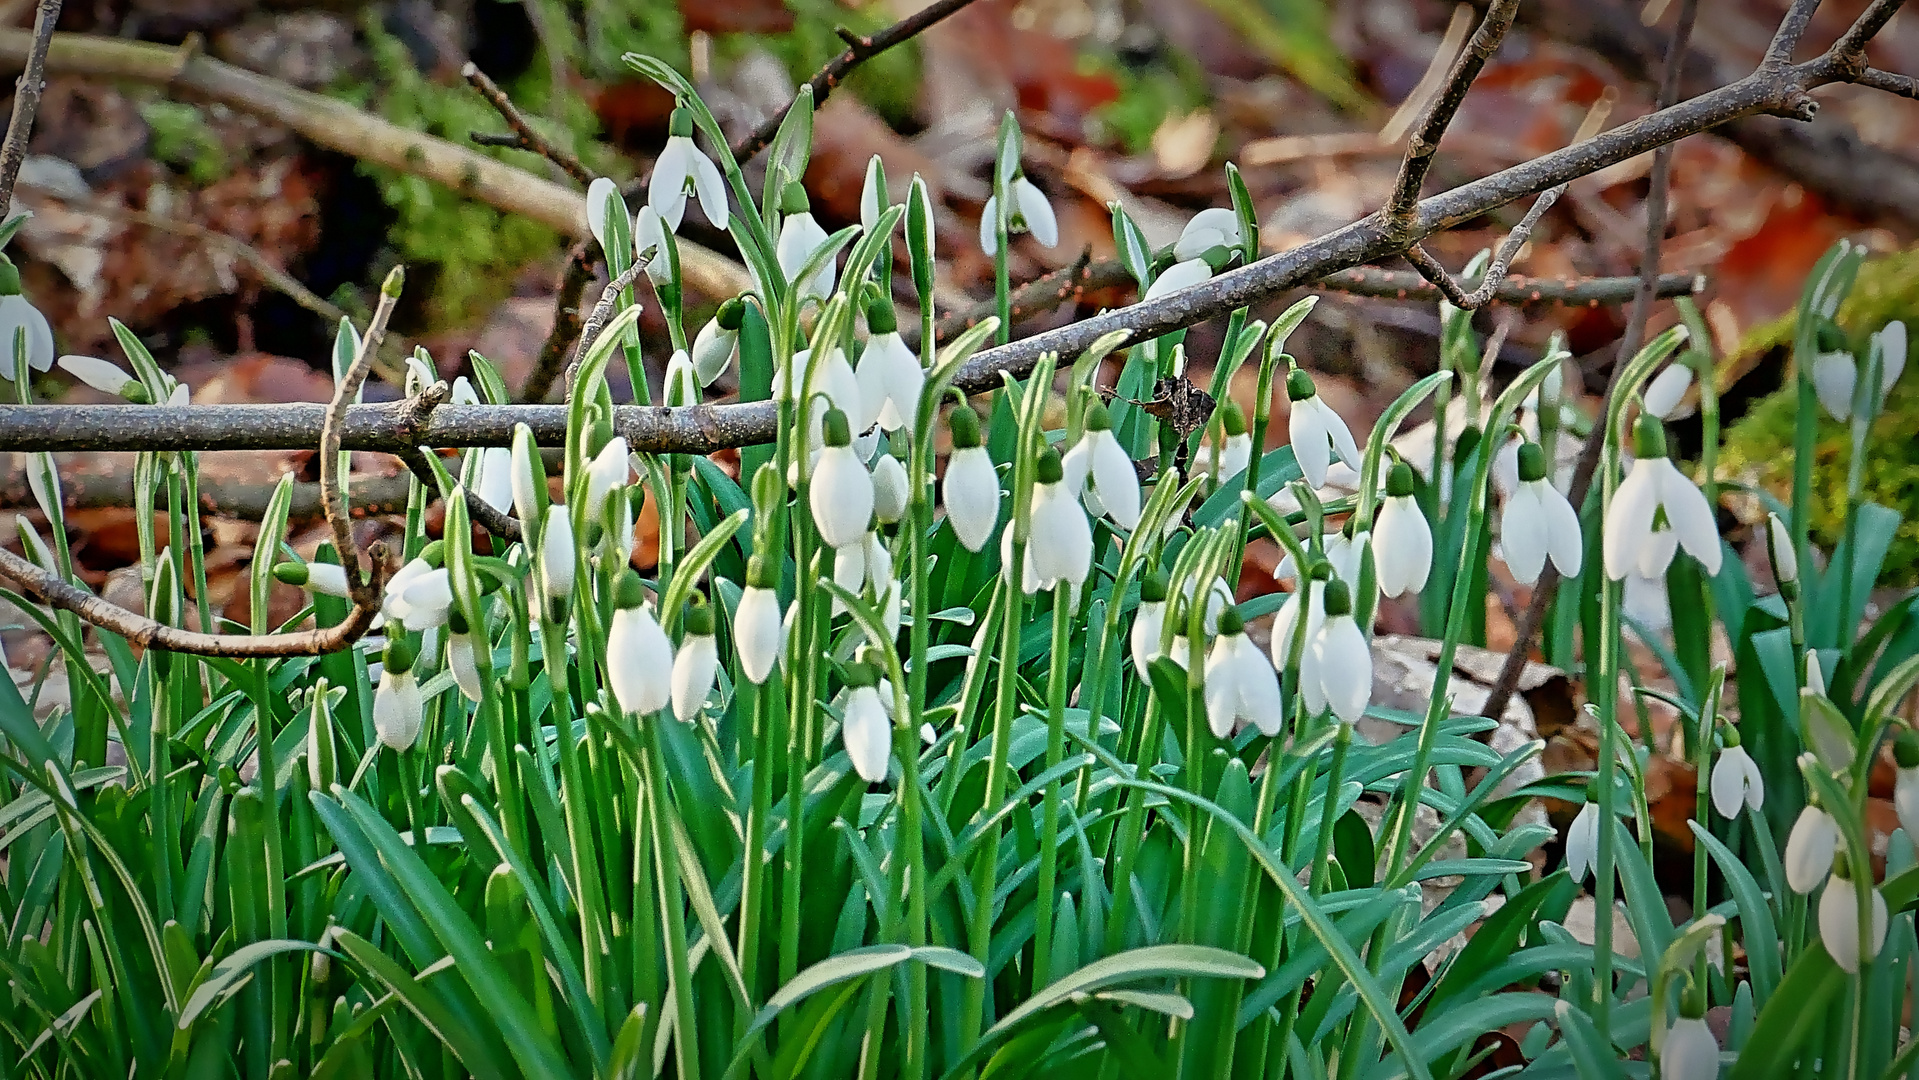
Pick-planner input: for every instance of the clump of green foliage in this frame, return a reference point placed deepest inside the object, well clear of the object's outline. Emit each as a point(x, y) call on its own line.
point(183, 139)
point(1759, 448)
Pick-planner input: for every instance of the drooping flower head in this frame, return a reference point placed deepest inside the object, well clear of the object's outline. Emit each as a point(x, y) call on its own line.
point(970, 489)
point(697, 662)
point(1537, 522)
point(398, 708)
point(758, 627)
point(890, 376)
point(1030, 212)
point(639, 658)
point(1655, 488)
point(841, 496)
point(717, 342)
point(1240, 684)
point(867, 729)
point(1316, 431)
point(1736, 780)
point(800, 237)
point(1149, 622)
point(1839, 928)
point(1342, 660)
point(1098, 466)
point(681, 168)
point(1402, 538)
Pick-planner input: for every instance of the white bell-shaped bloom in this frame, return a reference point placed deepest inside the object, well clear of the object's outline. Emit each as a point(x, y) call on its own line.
point(1835, 375)
point(393, 601)
point(1342, 660)
point(868, 733)
point(611, 468)
point(1240, 683)
point(758, 632)
point(463, 392)
point(970, 490)
point(603, 201)
point(1667, 390)
point(649, 235)
point(426, 600)
point(841, 496)
point(1839, 922)
point(889, 489)
point(104, 376)
point(1653, 485)
point(681, 384)
point(1690, 1052)
point(493, 478)
point(1891, 340)
point(890, 381)
point(1149, 623)
point(800, 237)
point(1214, 227)
point(399, 709)
point(1316, 431)
point(681, 168)
point(1538, 522)
point(1402, 538)
point(17, 314)
point(1230, 449)
point(1809, 849)
point(324, 579)
point(696, 665)
point(1099, 466)
point(834, 378)
point(639, 657)
point(461, 660)
point(873, 194)
point(556, 552)
point(1180, 275)
point(1030, 213)
point(1286, 628)
point(1582, 840)
point(1736, 781)
point(1060, 548)
point(718, 342)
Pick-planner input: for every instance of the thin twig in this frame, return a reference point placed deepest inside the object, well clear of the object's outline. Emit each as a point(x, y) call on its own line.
point(344, 391)
point(566, 326)
point(1502, 260)
point(1424, 143)
point(417, 414)
point(1629, 343)
point(1791, 29)
point(26, 101)
point(602, 313)
point(858, 51)
point(525, 135)
point(1901, 85)
point(1851, 46)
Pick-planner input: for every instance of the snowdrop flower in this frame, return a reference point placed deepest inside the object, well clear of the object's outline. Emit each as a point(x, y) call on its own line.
point(649, 234)
point(1030, 212)
point(1785, 558)
point(1655, 485)
point(427, 600)
point(1582, 841)
point(1060, 547)
point(1891, 340)
point(1316, 431)
point(1234, 451)
point(398, 708)
point(17, 314)
point(493, 478)
point(890, 377)
point(873, 199)
point(800, 237)
point(681, 168)
point(1240, 684)
point(1835, 373)
point(556, 552)
point(1905, 788)
point(1099, 466)
point(841, 496)
point(463, 392)
point(697, 662)
point(718, 341)
point(1403, 544)
point(758, 633)
point(866, 729)
point(106, 377)
point(971, 487)
point(1342, 660)
point(889, 489)
point(1735, 778)
point(609, 469)
point(602, 202)
point(393, 604)
point(1149, 622)
point(639, 658)
point(1286, 626)
point(1691, 1052)
point(834, 380)
point(324, 579)
point(1537, 522)
point(1180, 275)
point(1215, 227)
point(1810, 848)
point(1667, 389)
point(681, 384)
point(1839, 919)
point(461, 658)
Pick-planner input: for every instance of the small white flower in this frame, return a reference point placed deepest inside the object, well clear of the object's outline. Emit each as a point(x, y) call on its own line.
point(393, 603)
point(1180, 275)
point(1402, 538)
point(1537, 522)
point(17, 314)
point(1835, 374)
point(398, 708)
point(1149, 622)
point(717, 342)
point(889, 489)
point(1316, 431)
point(1098, 466)
point(1342, 660)
point(1286, 628)
point(873, 196)
point(602, 202)
point(1839, 923)
point(1655, 484)
point(463, 392)
point(1667, 389)
point(1031, 213)
point(526, 474)
point(493, 478)
point(1892, 354)
point(426, 600)
point(1240, 684)
point(1736, 781)
point(324, 579)
point(841, 496)
point(1582, 840)
point(890, 380)
point(1211, 228)
point(1809, 849)
point(682, 167)
point(639, 658)
point(834, 379)
point(1691, 1052)
point(1060, 547)
point(1779, 545)
point(465, 666)
point(800, 237)
point(610, 469)
point(970, 489)
point(649, 235)
point(758, 632)
point(556, 552)
point(868, 733)
point(104, 376)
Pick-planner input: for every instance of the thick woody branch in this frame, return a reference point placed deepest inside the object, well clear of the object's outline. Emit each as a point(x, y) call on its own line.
point(1791, 29)
point(1502, 260)
point(1424, 143)
point(858, 51)
point(26, 101)
point(525, 136)
point(107, 483)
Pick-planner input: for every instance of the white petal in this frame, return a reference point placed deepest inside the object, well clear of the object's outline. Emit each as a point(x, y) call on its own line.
point(1582, 841)
point(889, 489)
point(106, 377)
point(1524, 533)
point(1839, 924)
point(1402, 547)
point(1182, 275)
point(1809, 849)
point(556, 552)
point(1259, 699)
point(868, 734)
point(710, 187)
point(17, 313)
point(1341, 435)
point(639, 661)
point(1306, 430)
point(428, 598)
point(694, 669)
point(972, 496)
point(1629, 519)
point(849, 571)
point(989, 226)
point(757, 632)
point(1834, 375)
point(1213, 227)
point(1892, 354)
point(1115, 479)
point(609, 469)
point(1690, 1052)
point(466, 670)
point(1691, 517)
point(329, 579)
point(1148, 623)
point(1729, 782)
point(649, 234)
point(1222, 688)
point(1663, 395)
point(1563, 537)
point(1644, 600)
point(666, 191)
point(870, 208)
point(1344, 664)
point(398, 710)
point(841, 497)
point(602, 195)
point(1037, 211)
point(1656, 556)
point(713, 350)
point(1062, 540)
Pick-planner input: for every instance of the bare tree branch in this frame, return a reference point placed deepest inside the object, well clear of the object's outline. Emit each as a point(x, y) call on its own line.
point(107, 483)
point(1900, 85)
point(566, 326)
point(1786, 38)
point(1424, 143)
point(1502, 260)
point(602, 312)
point(525, 136)
point(26, 101)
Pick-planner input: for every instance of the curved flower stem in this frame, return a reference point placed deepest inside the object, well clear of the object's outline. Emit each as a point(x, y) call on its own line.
point(1329, 808)
point(1049, 806)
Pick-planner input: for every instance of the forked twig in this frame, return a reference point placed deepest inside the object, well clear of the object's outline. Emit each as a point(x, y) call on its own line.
point(524, 136)
point(602, 314)
point(1424, 142)
point(1502, 260)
